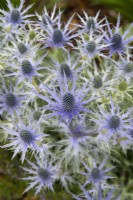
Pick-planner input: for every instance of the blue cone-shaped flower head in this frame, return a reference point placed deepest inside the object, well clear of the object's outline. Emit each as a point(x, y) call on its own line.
point(65, 69)
point(68, 103)
point(100, 77)
point(24, 137)
point(69, 67)
point(125, 67)
point(59, 36)
point(91, 47)
point(118, 42)
point(27, 69)
point(15, 16)
point(10, 99)
point(113, 124)
point(90, 23)
point(41, 174)
point(23, 47)
point(96, 174)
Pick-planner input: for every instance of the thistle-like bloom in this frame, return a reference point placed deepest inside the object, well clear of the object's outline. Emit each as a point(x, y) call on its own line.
point(45, 19)
point(27, 68)
point(15, 16)
point(59, 36)
point(125, 67)
point(70, 67)
point(10, 99)
point(90, 23)
point(113, 123)
point(67, 103)
point(23, 47)
point(101, 77)
point(24, 137)
point(86, 195)
point(116, 39)
point(41, 175)
point(91, 47)
point(97, 174)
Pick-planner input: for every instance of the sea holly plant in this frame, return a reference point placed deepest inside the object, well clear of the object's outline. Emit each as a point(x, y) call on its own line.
point(66, 100)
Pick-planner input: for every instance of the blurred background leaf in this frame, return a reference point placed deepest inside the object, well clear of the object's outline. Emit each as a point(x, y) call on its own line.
point(125, 7)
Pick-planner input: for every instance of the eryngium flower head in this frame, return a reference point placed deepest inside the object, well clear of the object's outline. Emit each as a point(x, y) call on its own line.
point(15, 16)
point(45, 19)
point(59, 36)
point(118, 42)
point(23, 47)
point(100, 76)
point(90, 23)
point(91, 47)
point(65, 69)
point(41, 174)
point(67, 103)
point(69, 67)
point(97, 174)
point(112, 124)
point(24, 137)
point(10, 99)
point(27, 68)
point(125, 67)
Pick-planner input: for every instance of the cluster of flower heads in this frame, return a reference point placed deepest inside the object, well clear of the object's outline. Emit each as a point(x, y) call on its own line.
point(68, 105)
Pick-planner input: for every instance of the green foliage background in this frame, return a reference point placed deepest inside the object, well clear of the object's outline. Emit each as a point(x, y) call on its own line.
point(125, 7)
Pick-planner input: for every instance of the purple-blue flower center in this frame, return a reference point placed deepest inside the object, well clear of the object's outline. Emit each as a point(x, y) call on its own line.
point(95, 173)
point(43, 174)
point(65, 69)
point(68, 102)
point(57, 36)
point(21, 48)
point(27, 68)
point(11, 100)
point(91, 47)
point(90, 23)
point(97, 82)
point(114, 122)
point(15, 16)
point(116, 41)
point(26, 136)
